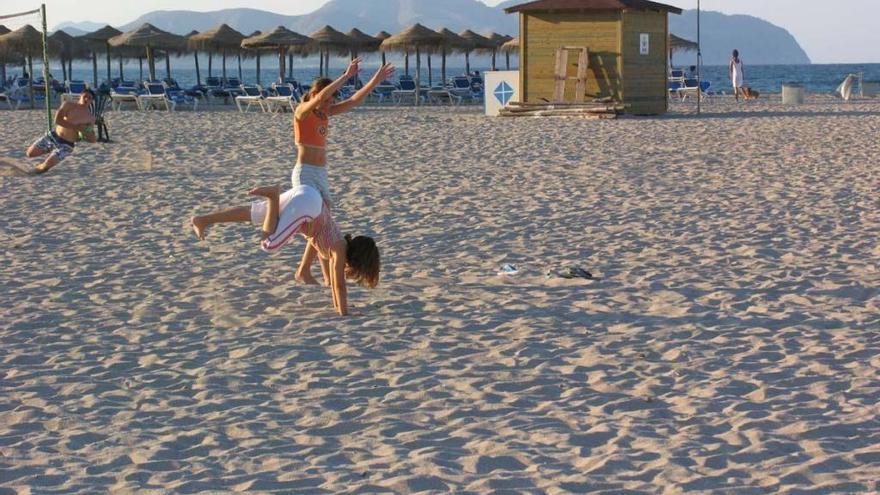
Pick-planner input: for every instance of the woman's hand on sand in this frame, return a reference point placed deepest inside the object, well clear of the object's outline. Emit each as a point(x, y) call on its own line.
point(384, 73)
point(354, 67)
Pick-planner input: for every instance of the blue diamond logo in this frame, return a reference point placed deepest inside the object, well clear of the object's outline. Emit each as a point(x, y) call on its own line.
point(503, 93)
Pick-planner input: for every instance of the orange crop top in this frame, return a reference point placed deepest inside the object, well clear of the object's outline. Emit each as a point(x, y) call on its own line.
point(312, 129)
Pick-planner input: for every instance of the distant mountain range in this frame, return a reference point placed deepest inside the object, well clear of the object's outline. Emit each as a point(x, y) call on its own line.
point(759, 41)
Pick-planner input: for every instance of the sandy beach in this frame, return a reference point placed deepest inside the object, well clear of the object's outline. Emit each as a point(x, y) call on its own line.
point(728, 343)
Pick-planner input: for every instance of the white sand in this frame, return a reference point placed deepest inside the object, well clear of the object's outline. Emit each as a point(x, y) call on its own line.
point(730, 344)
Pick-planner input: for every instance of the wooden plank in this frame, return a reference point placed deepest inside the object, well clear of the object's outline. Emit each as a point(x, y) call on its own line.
point(583, 65)
point(561, 73)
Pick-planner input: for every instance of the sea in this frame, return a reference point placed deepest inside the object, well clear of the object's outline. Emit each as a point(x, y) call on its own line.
point(816, 78)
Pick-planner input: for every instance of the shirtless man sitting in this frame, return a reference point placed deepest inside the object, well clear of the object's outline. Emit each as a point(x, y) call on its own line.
point(71, 121)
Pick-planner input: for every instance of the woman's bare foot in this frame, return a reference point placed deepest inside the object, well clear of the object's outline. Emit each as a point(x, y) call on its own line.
point(266, 192)
point(199, 227)
point(305, 277)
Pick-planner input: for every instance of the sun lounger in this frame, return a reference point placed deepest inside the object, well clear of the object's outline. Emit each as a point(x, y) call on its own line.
point(285, 97)
point(72, 90)
point(462, 89)
point(123, 94)
point(252, 95)
point(443, 95)
point(407, 91)
point(154, 97)
point(175, 96)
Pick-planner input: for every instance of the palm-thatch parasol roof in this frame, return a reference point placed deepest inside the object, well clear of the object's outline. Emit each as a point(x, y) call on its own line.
point(101, 36)
point(511, 46)
point(677, 43)
point(453, 42)
point(361, 41)
point(327, 39)
point(479, 42)
point(149, 37)
point(280, 39)
point(25, 41)
point(5, 55)
point(499, 39)
point(415, 36)
point(66, 46)
point(217, 39)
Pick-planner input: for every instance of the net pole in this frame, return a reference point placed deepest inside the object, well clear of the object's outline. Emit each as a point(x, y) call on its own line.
point(699, 63)
point(46, 70)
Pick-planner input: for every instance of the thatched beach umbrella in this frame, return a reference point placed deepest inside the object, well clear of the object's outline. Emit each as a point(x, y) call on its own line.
point(678, 44)
point(221, 39)
point(452, 43)
point(478, 43)
point(362, 43)
point(281, 39)
point(497, 40)
point(66, 48)
point(257, 53)
point(416, 37)
point(325, 41)
point(511, 46)
point(26, 42)
point(150, 37)
point(98, 40)
point(382, 36)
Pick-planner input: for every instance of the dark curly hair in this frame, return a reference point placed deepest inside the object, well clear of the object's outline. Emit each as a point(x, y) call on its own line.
point(362, 260)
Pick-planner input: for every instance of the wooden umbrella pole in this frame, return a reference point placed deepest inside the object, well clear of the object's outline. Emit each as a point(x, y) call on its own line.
point(281, 65)
point(321, 67)
point(198, 72)
point(430, 76)
point(70, 67)
point(141, 66)
point(94, 69)
point(289, 65)
point(467, 62)
point(443, 67)
point(224, 66)
point(418, 73)
point(150, 65)
point(167, 64)
point(109, 76)
point(210, 62)
point(493, 60)
point(406, 63)
point(259, 56)
point(30, 62)
point(507, 55)
point(63, 73)
point(240, 77)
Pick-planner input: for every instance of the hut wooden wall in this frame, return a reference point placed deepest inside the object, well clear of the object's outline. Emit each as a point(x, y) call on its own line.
point(542, 33)
point(644, 76)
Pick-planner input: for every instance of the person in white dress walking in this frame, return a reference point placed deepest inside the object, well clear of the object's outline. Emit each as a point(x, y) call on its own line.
point(736, 74)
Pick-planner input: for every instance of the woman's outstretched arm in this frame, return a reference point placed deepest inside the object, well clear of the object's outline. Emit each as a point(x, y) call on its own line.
point(384, 73)
point(315, 101)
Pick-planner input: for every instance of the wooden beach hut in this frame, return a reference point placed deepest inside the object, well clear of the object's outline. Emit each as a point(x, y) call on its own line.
point(580, 50)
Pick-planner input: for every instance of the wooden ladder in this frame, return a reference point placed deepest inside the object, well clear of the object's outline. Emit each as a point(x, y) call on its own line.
point(562, 73)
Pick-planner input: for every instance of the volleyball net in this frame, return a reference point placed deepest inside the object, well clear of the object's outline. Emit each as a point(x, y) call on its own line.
point(24, 44)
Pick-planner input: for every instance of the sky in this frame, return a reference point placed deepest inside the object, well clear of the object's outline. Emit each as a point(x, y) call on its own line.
point(838, 31)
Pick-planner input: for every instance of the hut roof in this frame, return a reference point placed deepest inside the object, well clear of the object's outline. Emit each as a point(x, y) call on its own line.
point(149, 35)
point(278, 37)
point(103, 34)
point(574, 5)
point(451, 40)
point(219, 38)
point(412, 37)
point(511, 46)
point(24, 40)
point(383, 35)
point(479, 42)
point(363, 41)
